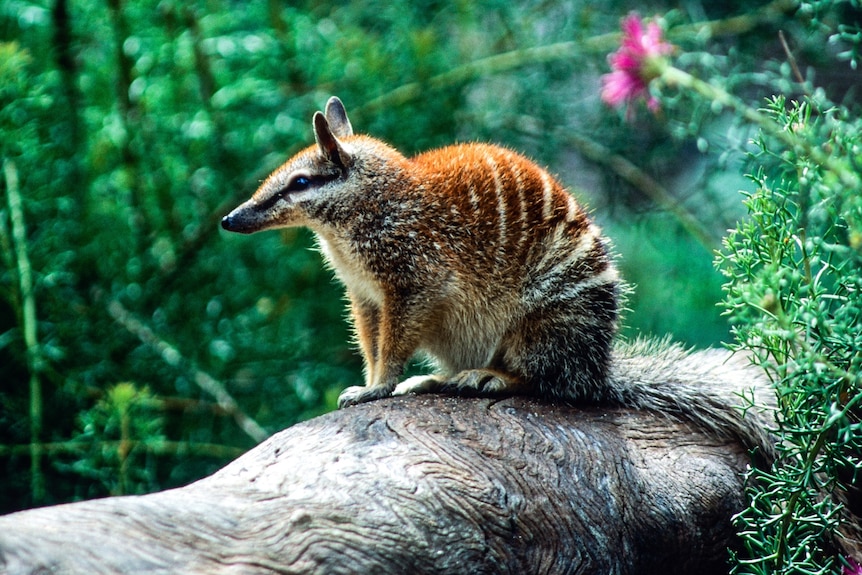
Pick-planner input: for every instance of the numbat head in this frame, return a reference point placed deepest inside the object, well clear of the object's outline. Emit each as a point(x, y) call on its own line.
point(470, 254)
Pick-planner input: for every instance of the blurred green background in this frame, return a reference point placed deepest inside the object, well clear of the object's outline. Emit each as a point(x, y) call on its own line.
point(141, 347)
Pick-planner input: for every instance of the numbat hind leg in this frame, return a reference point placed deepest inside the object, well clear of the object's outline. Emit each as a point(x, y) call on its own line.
point(484, 382)
point(469, 382)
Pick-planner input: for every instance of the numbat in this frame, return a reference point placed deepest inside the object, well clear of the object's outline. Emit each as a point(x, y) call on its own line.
point(478, 258)
point(470, 254)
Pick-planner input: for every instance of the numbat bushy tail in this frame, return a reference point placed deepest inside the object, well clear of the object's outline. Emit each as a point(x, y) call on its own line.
point(475, 257)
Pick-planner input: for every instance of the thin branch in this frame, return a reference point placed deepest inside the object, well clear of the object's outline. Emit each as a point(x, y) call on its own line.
point(483, 67)
point(172, 356)
point(839, 165)
point(63, 42)
point(741, 24)
point(29, 325)
point(644, 182)
point(156, 447)
point(791, 59)
point(508, 61)
point(131, 160)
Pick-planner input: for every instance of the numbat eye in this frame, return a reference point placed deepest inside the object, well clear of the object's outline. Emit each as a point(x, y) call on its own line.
point(298, 184)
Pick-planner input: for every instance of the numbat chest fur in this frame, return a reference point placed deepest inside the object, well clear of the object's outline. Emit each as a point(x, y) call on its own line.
point(470, 254)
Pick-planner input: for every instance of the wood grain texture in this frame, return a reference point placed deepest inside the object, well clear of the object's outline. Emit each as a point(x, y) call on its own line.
point(424, 484)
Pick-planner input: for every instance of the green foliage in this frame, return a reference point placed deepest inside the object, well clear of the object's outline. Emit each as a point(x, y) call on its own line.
point(794, 296)
point(835, 15)
point(118, 430)
point(794, 271)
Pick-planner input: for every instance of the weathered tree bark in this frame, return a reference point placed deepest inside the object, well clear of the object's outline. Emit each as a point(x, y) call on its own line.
point(428, 484)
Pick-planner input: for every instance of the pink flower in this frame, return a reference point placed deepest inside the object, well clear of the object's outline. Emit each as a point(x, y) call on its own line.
point(854, 567)
point(630, 70)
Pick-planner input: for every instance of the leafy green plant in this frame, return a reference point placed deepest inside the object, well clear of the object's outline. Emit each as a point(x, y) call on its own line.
point(794, 296)
point(122, 431)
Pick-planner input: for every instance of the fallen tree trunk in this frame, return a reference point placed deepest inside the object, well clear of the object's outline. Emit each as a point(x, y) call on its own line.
point(427, 484)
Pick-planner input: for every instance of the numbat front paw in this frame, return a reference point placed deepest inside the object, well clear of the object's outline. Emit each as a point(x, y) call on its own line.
point(360, 394)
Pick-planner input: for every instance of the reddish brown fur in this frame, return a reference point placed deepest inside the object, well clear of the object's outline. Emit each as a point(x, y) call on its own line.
point(471, 254)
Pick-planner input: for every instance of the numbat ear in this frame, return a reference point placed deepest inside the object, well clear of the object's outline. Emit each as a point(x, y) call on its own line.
point(332, 149)
point(336, 115)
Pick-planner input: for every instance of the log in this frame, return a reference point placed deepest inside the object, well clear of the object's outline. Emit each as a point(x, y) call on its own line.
point(424, 484)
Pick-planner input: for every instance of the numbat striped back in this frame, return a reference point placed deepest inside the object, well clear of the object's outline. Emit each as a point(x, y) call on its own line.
point(470, 254)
